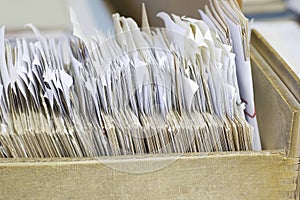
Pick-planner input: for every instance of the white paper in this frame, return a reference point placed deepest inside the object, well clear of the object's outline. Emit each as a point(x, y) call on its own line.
point(244, 75)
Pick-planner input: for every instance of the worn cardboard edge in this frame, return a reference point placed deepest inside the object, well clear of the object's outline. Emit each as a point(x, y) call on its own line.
point(17, 161)
point(295, 137)
point(258, 175)
point(276, 62)
point(297, 192)
point(288, 98)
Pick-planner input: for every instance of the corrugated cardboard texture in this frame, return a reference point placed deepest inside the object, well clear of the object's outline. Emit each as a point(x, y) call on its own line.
point(261, 175)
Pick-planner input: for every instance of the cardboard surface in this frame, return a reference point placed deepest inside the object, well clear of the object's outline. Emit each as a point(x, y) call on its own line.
point(278, 111)
point(297, 192)
point(246, 175)
point(277, 100)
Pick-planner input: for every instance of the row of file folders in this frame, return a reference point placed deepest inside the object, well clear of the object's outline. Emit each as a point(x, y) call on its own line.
point(186, 87)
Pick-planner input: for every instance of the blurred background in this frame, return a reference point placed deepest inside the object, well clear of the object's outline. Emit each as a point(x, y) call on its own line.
point(53, 15)
point(277, 20)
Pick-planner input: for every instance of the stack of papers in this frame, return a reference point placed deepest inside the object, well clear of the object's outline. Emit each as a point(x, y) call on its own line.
point(183, 88)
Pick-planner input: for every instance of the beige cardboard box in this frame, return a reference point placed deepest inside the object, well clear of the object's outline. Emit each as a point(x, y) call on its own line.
point(268, 174)
point(235, 175)
point(275, 82)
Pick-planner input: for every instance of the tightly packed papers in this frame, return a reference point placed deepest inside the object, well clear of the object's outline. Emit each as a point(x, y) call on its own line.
point(140, 91)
